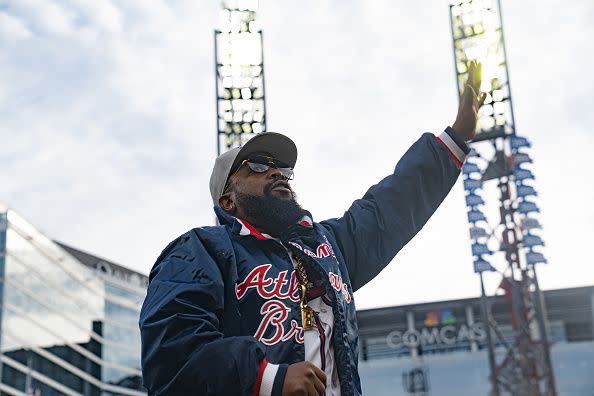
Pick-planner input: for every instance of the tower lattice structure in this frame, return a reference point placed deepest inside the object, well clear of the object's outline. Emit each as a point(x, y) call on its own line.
point(503, 225)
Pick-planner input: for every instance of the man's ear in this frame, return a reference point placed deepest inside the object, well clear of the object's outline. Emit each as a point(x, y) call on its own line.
point(226, 203)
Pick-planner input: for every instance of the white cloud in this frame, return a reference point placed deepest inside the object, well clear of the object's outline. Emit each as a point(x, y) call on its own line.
point(45, 17)
point(12, 27)
point(109, 110)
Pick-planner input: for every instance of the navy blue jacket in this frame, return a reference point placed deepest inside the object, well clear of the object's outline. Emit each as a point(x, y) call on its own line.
point(222, 300)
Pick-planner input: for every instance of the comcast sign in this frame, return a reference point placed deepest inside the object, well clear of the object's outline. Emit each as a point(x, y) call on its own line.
point(440, 329)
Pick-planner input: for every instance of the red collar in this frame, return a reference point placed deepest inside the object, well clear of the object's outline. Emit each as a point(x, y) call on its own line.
point(248, 229)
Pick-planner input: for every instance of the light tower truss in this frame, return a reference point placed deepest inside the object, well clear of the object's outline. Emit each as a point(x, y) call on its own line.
point(241, 110)
point(503, 227)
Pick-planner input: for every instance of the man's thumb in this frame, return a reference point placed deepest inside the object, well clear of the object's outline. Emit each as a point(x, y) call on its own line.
point(483, 97)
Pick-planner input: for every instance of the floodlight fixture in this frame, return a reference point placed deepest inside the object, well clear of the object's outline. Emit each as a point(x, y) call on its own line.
point(239, 63)
point(478, 35)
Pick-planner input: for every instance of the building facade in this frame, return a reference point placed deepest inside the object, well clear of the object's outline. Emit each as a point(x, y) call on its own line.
point(68, 319)
point(69, 326)
point(439, 349)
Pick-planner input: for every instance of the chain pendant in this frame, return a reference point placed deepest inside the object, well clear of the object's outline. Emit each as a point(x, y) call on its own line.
point(308, 321)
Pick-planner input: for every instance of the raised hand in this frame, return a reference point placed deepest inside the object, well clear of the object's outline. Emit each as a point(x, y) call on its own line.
point(470, 103)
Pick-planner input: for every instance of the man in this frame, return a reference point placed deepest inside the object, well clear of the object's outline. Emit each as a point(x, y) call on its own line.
point(263, 303)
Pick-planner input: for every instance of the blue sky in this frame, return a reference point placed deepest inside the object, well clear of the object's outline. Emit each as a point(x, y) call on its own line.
point(109, 124)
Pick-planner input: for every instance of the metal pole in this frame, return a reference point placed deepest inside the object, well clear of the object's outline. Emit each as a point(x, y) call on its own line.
point(3, 250)
point(264, 119)
point(513, 120)
point(454, 53)
point(591, 305)
point(544, 337)
point(410, 320)
point(28, 379)
point(216, 65)
point(470, 323)
point(490, 346)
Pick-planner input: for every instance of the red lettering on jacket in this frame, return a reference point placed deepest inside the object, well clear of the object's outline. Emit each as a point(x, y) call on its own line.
point(346, 294)
point(268, 287)
point(275, 314)
point(295, 331)
point(335, 281)
point(338, 285)
point(329, 246)
point(298, 246)
point(323, 250)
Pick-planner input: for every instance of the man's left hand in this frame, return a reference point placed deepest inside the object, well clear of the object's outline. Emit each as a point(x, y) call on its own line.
point(470, 103)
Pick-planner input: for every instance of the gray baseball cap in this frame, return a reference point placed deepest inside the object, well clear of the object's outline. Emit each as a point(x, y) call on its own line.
point(274, 144)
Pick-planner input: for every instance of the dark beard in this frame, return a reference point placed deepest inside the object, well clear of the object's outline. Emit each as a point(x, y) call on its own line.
point(270, 214)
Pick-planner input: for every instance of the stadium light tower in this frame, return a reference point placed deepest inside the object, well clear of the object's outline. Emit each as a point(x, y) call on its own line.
point(499, 155)
point(241, 110)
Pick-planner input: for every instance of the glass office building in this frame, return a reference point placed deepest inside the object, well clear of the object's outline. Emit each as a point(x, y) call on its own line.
point(68, 319)
point(439, 348)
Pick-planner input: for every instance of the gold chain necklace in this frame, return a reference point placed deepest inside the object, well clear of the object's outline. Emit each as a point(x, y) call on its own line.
point(307, 312)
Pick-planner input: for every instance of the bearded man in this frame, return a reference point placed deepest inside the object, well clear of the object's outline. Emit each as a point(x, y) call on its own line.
point(263, 303)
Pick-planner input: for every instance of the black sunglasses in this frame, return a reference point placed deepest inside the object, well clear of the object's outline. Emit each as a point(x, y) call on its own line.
point(261, 164)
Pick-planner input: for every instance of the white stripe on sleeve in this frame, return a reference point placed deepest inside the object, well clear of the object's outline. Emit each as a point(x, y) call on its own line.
point(268, 379)
point(454, 148)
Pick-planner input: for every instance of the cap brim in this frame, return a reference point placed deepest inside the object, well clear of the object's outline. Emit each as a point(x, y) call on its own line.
point(274, 144)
